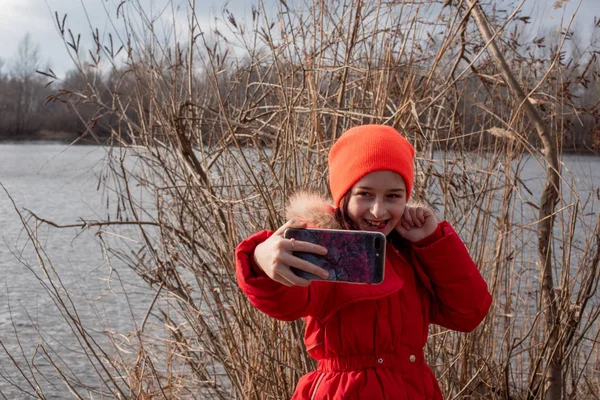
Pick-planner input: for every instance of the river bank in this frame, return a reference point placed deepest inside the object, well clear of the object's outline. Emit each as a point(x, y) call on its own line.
point(67, 138)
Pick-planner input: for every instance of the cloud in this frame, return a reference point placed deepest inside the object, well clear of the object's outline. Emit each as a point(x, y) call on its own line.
point(17, 17)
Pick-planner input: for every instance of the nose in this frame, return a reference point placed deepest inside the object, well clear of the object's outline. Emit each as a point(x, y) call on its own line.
point(377, 209)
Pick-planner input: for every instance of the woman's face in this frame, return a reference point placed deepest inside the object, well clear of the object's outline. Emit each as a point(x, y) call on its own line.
point(377, 201)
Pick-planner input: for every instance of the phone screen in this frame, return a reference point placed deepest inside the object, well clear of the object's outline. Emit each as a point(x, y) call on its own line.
point(352, 256)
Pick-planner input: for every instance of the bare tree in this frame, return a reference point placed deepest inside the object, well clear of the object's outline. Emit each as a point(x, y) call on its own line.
point(3, 98)
point(24, 72)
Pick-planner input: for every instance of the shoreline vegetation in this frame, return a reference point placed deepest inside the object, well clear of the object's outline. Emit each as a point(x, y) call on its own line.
point(35, 104)
point(68, 139)
point(64, 138)
point(45, 137)
point(459, 76)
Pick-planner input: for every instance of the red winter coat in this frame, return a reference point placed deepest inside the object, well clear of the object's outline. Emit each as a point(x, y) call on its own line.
point(369, 339)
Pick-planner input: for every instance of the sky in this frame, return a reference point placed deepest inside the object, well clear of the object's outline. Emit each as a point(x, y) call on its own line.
point(37, 17)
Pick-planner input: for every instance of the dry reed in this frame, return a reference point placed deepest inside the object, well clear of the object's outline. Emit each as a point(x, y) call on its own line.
point(222, 137)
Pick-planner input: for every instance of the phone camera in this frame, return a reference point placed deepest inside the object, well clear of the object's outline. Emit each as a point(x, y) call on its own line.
point(378, 243)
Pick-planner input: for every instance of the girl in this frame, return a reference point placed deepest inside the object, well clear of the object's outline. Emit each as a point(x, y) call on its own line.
point(368, 339)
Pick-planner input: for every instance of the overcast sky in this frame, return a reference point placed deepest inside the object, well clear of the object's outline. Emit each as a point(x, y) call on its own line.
point(36, 17)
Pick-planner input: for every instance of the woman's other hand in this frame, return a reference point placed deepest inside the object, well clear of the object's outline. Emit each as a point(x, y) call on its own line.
point(274, 256)
point(417, 223)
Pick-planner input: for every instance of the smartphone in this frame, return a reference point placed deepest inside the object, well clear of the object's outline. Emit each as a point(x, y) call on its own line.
point(352, 256)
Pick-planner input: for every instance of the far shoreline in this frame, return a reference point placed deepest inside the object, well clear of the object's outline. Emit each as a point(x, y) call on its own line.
point(72, 141)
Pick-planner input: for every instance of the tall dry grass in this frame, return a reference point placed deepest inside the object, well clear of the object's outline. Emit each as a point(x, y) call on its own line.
point(225, 126)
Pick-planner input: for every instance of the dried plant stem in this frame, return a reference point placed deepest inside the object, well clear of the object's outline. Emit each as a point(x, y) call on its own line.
point(548, 201)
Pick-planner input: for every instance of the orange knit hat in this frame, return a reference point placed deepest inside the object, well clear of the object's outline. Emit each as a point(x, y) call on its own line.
point(365, 149)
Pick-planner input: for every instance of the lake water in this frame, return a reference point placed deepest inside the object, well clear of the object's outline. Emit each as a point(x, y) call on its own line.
point(61, 185)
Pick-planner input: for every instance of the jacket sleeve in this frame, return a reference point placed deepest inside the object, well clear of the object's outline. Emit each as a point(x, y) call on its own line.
point(272, 298)
point(461, 299)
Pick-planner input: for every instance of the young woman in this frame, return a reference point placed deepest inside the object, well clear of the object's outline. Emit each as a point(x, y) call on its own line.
point(368, 339)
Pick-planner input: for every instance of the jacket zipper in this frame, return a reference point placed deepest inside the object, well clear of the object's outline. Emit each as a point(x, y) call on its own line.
point(314, 393)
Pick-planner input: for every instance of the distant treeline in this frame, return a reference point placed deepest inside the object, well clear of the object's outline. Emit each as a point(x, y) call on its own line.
point(26, 114)
point(37, 105)
point(26, 109)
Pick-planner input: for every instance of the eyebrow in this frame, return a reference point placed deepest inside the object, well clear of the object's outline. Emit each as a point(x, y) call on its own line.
point(391, 190)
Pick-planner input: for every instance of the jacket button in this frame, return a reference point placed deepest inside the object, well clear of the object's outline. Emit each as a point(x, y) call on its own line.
point(380, 360)
point(412, 358)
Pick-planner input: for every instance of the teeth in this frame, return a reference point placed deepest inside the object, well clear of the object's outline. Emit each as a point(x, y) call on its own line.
point(375, 224)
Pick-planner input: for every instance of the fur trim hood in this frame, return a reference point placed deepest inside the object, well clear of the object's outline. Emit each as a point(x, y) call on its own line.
point(315, 209)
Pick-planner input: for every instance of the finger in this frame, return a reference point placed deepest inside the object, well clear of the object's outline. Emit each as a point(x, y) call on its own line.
point(288, 275)
point(282, 280)
point(413, 216)
point(404, 224)
point(279, 274)
point(400, 228)
point(421, 215)
point(427, 213)
point(304, 265)
point(292, 223)
point(407, 217)
point(308, 247)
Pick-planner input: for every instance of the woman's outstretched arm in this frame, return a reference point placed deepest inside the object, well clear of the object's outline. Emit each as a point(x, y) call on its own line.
point(263, 271)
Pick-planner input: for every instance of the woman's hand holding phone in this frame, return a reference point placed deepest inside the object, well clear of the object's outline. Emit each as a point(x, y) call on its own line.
point(274, 256)
point(417, 223)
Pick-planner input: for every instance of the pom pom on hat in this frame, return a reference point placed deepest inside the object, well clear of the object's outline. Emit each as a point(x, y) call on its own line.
point(365, 149)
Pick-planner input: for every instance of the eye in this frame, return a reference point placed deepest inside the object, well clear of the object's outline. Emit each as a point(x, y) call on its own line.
point(394, 196)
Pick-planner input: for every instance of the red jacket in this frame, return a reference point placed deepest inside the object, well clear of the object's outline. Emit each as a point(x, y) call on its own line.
point(369, 339)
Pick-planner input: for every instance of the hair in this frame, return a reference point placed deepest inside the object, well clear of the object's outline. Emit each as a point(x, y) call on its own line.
point(341, 214)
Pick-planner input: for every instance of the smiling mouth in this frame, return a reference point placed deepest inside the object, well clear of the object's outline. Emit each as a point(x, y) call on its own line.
point(376, 224)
